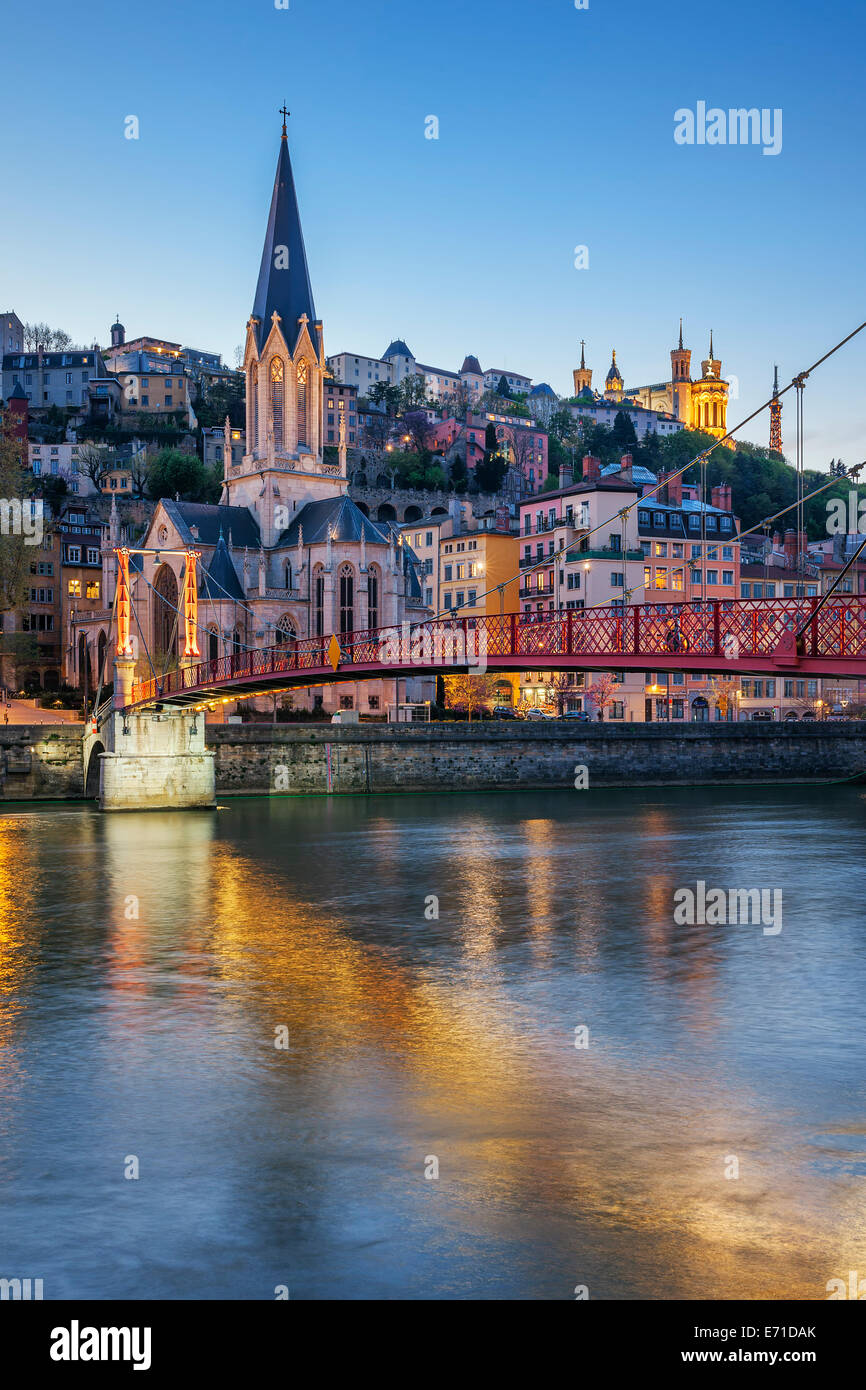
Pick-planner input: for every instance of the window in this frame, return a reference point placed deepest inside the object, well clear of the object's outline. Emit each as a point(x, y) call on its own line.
point(712, 576)
point(448, 570)
point(617, 710)
point(277, 396)
point(662, 577)
point(74, 588)
point(728, 577)
point(303, 373)
point(617, 580)
point(373, 598)
point(347, 599)
point(694, 523)
point(73, 554)
point(319, 589)
point(746, 590)
point(643, 518)
point(92, 590)
point(658, 520)
point(92, 556)
point(661, 549)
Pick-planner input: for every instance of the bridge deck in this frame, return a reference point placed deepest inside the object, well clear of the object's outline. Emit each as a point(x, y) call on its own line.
point(721, 637)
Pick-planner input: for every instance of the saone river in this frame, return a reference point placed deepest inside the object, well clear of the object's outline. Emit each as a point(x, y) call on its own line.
point(148, 963)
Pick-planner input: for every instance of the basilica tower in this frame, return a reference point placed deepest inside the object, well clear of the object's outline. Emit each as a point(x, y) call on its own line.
point(710, 397)
point(583, 373)
point(681, 380)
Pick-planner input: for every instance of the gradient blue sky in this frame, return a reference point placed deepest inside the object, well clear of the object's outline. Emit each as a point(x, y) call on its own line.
point(556, 129)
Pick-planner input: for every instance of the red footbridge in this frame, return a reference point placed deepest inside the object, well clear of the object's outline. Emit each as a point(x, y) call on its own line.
point(809, 636)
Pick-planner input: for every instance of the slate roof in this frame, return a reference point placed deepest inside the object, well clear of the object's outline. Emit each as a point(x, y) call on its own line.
point(220, 580)
point(346, 520)
point(286, 291)
point(471, 364)
point(210, 519)
point(396, 349)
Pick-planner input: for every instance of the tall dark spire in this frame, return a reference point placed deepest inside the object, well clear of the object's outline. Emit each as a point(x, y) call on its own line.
point(284, 280)
point(711, 346)
point(582, 363)
point(776, 382)
point(681, 335)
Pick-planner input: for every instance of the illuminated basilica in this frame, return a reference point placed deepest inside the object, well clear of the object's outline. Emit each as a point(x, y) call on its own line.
point(700, 403)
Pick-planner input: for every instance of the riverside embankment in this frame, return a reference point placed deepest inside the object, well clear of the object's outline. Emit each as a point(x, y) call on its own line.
point(45, 762)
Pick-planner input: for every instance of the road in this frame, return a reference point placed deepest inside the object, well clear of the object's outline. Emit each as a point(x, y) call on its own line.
point(25, 712)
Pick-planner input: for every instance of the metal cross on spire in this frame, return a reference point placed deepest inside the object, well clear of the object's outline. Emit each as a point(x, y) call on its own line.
point(284, 113)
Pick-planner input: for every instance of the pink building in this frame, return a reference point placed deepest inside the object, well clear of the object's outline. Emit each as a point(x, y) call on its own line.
point(521, 441)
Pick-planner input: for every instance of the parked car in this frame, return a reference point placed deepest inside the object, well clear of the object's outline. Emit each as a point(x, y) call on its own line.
point(762, 716)
point(579, 714)
point(504, 712)
point(538, 714)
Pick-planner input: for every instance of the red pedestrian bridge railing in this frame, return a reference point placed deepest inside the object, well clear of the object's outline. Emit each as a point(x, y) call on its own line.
point(733, 636)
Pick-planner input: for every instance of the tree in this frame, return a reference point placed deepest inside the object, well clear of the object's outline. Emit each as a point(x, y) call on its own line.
point(459, 474)
point(470, 692)
point(723, 690)
point(559, 689)
point(623, 432)
point(412, 394)
point(382, 393)
point(49, 339)
point(491, 470)
point(218, 399)
point(502, 389)
point(416, 426)
point(172, 472)
point(601, 692)
point(93, 461)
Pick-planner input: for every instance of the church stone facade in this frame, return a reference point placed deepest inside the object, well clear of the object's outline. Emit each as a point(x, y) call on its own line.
point(286, 553)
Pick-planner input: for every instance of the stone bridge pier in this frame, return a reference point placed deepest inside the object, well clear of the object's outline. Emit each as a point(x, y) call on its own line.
point(148, 760)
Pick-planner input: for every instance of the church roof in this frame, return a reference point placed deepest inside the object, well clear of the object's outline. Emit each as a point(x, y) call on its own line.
point(346, 521)
point(396, 349)
point(209, 520)
point(471, 364)
point(220, 580)
point(283, 288)
point(614, 373)
point(18, 393)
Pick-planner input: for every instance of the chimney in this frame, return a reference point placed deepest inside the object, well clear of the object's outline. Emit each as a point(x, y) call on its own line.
point(456, 513)
point(591, 468)
point(721, 496)
point(625, 467)
point(566, 475)
point(791, 548)
point(671, 490)
point(777, 540)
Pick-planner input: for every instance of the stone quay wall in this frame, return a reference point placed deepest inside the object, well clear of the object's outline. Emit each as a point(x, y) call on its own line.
point(45, 762)
point(291, 760)
point(41, 762)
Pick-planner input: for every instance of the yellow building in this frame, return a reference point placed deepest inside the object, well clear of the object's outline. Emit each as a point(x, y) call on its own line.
point(479, 573)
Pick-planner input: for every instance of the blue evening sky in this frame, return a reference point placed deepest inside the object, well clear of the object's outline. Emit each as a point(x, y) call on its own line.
point(556, 130)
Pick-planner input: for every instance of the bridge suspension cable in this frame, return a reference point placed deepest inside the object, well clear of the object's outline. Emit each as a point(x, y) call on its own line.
point(700, 458)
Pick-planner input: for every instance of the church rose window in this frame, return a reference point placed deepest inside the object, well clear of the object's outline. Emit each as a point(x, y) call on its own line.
point(347, 599)
point(277, 401)
point(302, 402)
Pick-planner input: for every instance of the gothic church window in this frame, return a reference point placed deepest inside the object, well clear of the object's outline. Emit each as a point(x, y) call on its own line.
point(277, 392)
point(347, 599)
point(302, 401)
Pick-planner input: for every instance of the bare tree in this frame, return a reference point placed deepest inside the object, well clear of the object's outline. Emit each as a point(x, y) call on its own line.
point(49, 339)
point(93, 461)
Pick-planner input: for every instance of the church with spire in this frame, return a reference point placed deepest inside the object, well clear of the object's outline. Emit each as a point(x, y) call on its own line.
point(700, 403)
point(286, 553)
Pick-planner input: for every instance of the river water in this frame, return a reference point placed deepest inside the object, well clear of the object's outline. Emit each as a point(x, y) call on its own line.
point(258, 1010)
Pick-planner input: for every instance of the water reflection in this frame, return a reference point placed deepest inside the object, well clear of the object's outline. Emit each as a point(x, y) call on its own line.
point(167, 949)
